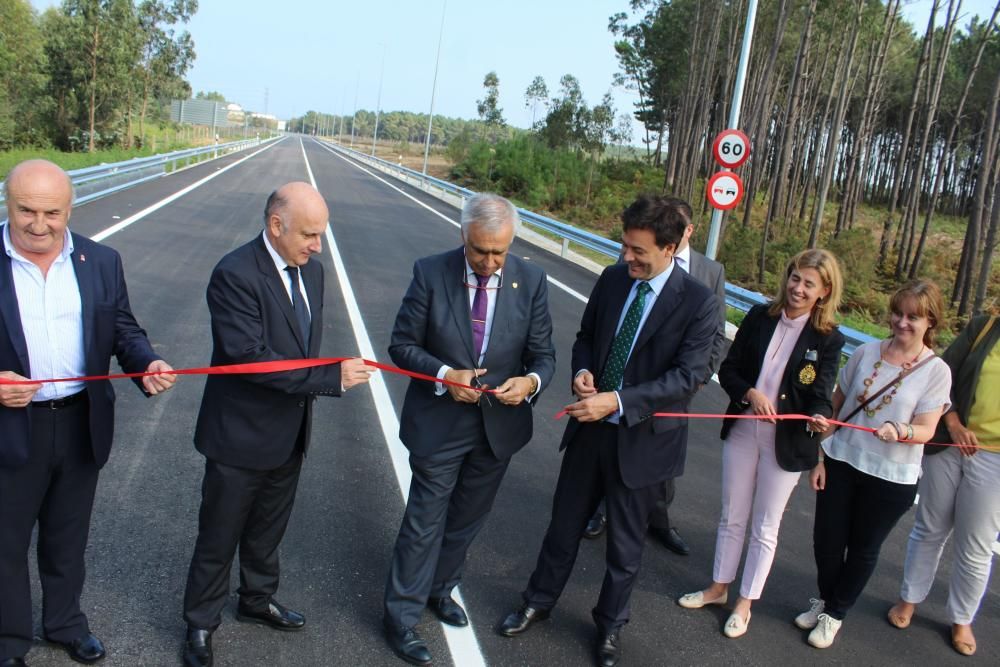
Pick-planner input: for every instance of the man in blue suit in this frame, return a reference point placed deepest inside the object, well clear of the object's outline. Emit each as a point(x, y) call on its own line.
point(643, 347)
point(64, 312)
point(475, 315)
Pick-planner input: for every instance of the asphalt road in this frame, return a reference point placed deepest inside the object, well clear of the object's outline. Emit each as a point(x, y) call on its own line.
point(335, 554)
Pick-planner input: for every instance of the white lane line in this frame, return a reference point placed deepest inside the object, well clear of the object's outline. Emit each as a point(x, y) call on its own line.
point(117, 227)
point(563, 286)
point(462, 643)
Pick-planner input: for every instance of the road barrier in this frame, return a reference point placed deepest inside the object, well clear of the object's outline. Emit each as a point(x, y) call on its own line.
point(93, 182)
point(736, 297)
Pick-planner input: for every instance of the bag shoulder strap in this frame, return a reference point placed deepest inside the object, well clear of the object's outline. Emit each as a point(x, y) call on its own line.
point(982, 332)
point(902, 374)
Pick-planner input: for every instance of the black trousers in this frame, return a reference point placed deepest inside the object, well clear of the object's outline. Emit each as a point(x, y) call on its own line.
point(588, 473)
point(451, 494)
point(55, 488)
point(245, 509)
point(854, 516)
point(659, 520)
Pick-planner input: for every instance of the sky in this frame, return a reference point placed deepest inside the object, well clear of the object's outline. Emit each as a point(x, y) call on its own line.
point(327, 55)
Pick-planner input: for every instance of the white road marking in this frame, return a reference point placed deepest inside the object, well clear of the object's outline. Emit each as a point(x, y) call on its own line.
point(462, 643)
point(117, 227)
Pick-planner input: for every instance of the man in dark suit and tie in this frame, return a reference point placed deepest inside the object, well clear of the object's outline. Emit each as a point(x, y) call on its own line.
point(64, 312)
point(643, 347)
point(476, 315)
point(266, 303)
point(711, 274)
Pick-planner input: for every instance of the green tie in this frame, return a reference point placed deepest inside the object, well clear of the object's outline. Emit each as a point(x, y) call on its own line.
point(614, 370)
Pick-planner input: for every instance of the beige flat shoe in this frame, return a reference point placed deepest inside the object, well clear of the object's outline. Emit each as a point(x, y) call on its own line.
point(897, 618)
point(963, 646)
point(697, 600)
point(735, 625)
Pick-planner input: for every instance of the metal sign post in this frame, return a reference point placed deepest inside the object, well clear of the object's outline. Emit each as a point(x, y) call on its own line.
point(712, 247)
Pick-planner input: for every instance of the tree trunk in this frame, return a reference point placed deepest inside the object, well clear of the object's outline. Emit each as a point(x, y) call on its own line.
point(988, 247)
point(835, 129)
point(92, 110)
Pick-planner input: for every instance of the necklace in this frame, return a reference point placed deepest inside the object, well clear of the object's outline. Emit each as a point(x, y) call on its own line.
point(886, 398)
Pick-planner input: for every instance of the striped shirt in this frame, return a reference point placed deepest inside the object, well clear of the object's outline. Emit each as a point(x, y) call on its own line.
point(51, 319)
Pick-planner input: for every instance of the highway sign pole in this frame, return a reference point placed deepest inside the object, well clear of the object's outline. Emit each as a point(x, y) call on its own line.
point(430, 117)
point(712, 247)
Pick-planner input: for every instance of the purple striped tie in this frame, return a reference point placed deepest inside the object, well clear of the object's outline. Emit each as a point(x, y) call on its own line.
point(479, 305)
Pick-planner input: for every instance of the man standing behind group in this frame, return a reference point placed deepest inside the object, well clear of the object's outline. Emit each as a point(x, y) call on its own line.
point(643, 347)
point(711, 274)
point(64, 312)
point(266, 303)
point(477, 316)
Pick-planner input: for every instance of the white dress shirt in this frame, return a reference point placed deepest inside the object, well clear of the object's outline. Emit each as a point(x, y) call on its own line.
point(51, 319)
point(286, 279)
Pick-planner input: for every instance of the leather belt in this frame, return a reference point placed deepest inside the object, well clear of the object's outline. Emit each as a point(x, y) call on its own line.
point(60, 403)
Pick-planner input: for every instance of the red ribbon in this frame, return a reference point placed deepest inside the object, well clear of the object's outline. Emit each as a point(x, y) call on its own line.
point(786, 417)
point(255, 367)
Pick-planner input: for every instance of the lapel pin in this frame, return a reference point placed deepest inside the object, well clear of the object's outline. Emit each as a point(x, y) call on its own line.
point(514, 285)
point(83, 258)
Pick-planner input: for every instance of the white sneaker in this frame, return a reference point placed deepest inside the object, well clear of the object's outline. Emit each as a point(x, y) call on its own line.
point(825, 631)
point(807, 620)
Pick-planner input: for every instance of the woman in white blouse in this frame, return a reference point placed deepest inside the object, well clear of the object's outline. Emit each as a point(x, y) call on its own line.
point(869, 480)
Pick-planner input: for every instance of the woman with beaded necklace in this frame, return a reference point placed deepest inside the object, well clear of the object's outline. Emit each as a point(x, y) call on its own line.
point(899, 388)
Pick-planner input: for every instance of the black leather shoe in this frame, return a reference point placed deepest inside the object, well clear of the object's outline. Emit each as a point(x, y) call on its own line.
point(518, 622)
point(274, 615)
point(408, 645)
point(87, 649)
point(595, 526)
point(13, 662)
point(672, 540)
point(608, 650)
point(198, 648)
point(448, 611)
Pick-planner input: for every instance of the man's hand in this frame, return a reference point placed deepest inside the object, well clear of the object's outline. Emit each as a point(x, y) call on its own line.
point(514, 390)
point(595, 408)
point(354, 372)
point(583, 385)
point(467, 377)
point(154, 384)
point(16, 395)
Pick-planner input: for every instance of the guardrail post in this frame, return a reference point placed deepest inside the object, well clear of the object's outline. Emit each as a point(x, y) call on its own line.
point(565, 248)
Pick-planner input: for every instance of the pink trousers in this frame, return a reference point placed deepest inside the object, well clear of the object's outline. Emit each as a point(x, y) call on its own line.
point(754, 488)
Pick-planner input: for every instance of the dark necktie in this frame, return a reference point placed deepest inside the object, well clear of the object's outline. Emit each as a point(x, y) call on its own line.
point(614, 369)
point(479, 306)
point(299, 305)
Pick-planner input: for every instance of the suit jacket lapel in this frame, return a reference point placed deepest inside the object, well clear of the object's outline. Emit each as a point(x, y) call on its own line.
point(665, 304)
point(9, 311)
point(503, 310)
point(310, 280)
point(85, 278)
point(767, 329)
point(276, 286)
point(458, 296)
point(619, 291)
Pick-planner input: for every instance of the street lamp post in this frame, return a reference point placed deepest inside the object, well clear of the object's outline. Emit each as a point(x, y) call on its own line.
point(378, 102)
point(437, 61)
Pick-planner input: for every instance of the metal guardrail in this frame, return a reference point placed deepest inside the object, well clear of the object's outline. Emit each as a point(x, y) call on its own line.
point(736, 297)
point(93, 182)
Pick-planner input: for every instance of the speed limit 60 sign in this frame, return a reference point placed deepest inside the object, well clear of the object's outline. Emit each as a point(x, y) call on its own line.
point(724, 190)
point(731, 149)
